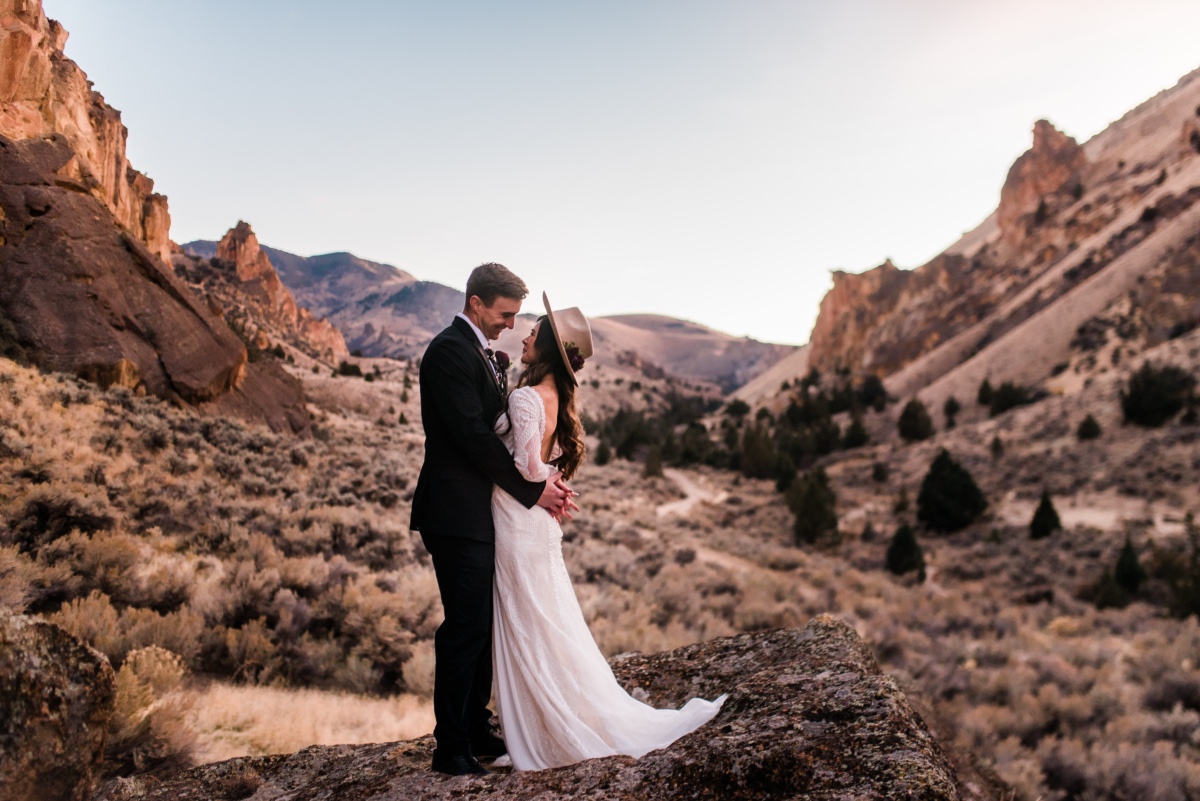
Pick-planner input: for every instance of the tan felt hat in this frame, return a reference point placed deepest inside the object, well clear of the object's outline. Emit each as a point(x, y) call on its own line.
point(573, 335)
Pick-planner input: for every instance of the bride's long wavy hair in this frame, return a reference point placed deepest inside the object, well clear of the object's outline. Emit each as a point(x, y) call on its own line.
point(549, 362)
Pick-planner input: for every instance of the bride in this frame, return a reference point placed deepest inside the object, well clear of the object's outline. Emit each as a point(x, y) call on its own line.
point(556, 696)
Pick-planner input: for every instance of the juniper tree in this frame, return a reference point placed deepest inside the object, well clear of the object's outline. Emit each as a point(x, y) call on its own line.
point(856, 433)
point(950, 409)
point(1088, 429)
point(914, 423)
point(984, 398)
point(949, 499)
point(1045, 519)
point(1156, 394)
point(997, 447)
point(1129, 573)
point(603, 453)
point(904, 553)
point(814, 503)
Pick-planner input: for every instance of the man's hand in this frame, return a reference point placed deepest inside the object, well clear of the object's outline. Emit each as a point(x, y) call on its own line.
point(557, 498)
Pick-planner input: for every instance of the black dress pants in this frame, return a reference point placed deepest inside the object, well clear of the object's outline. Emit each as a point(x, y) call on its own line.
point(463, 643)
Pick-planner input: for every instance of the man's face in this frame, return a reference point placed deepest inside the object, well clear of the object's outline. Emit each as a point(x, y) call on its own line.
point(495, 318)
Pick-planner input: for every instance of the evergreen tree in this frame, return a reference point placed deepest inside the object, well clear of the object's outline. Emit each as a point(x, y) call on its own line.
point(997, 447)
point(1106, 593)
point(1008, 396)
point(856, 433)
point(1088, 429)
point(880, 472)
point(758, 452)
point(1156, 394)
point(603, 453)
point(1129, 573)
point(403, 419)
point(904, 554)
point(915, 424)
point(654, 463)
point(949, 498)
point(814, 503)
point(950, 409)
point(984, 398)
point(1045, 519)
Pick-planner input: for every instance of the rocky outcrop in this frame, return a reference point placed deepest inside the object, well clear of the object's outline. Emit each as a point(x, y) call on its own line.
point(809, 715)
point(851, 311)
point(251, 273)
point(42, 93)
point(1052, 167)
point(84, 296)
point(56, 697)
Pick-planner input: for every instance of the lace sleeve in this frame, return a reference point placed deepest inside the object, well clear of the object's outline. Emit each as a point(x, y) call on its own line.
point(527, 417)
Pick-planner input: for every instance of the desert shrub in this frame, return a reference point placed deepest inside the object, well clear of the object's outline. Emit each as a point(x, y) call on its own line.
point(348, 369)
point(1088, 429)
point(17, 576)
point(1129, 572)
point(904, 553)
point(880, 472)
point(93, 620)
point(1008, 396)
point(150, 725)
point(1155, 394)
point(1045, 519)
point(950, 410)
point(915, 423)
point(418, 670)
point(812, 500)
point(1183, 575)
point(856, 433)
point(51, 513)
point(949, 498)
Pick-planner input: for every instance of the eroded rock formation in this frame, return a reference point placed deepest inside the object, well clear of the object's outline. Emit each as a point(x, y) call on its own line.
point(56, 696)
point(42, 93)
point(1052, 167)
point(255, 278)
point(809, 716)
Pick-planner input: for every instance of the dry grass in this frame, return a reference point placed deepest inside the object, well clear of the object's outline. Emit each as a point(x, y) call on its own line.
point(232, 721)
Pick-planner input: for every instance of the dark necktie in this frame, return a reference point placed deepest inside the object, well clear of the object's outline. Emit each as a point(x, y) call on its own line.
point(500, 376)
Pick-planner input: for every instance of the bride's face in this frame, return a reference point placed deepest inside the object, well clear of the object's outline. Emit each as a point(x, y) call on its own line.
point(528, 350)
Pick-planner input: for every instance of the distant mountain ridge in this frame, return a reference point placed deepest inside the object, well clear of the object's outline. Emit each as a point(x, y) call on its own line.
point(384, 311)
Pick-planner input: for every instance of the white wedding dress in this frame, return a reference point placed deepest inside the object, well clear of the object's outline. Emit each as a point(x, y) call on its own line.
point(556, 696)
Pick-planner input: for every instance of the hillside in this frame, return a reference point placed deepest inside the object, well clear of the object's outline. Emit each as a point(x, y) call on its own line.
point(384, 311)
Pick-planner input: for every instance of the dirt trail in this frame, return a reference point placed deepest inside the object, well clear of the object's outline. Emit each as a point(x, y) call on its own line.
point(693, 492)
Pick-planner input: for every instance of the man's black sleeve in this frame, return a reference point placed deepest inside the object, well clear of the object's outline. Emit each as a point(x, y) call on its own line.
point(449, 387)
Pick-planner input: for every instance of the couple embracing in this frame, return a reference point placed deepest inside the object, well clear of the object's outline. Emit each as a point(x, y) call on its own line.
point(488, 504)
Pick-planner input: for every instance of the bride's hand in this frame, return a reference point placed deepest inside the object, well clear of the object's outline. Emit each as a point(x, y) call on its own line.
point(569, 504)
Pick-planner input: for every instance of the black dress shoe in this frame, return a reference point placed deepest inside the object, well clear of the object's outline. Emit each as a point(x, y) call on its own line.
point(488, 746)
point(459, 765)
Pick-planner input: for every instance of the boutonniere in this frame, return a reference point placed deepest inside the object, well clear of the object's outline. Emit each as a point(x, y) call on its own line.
point(502, 361)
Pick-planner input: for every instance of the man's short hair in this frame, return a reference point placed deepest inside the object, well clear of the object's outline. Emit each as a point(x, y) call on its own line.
point(490, 281)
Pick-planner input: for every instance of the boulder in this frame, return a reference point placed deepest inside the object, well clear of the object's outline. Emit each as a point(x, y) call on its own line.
point(56, 697)
point(809, 715)
point(83, 296)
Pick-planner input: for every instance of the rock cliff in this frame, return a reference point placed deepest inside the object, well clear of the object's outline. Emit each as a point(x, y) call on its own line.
point(809, 716)
point(1070, 222)
point(42, 93)
point(56, 696)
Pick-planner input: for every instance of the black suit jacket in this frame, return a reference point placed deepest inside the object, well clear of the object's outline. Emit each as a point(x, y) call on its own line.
point(464, 458)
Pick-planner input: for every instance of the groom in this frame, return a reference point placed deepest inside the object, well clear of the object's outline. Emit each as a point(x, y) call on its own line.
point(462, 394)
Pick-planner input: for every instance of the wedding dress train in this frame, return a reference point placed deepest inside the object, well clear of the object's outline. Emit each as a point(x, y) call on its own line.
point(556, 696)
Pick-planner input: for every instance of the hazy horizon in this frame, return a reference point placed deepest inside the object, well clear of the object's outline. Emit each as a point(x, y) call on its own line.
point(626, 158)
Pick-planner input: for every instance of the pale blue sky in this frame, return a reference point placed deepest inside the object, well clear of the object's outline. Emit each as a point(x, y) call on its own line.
point(707, 160)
